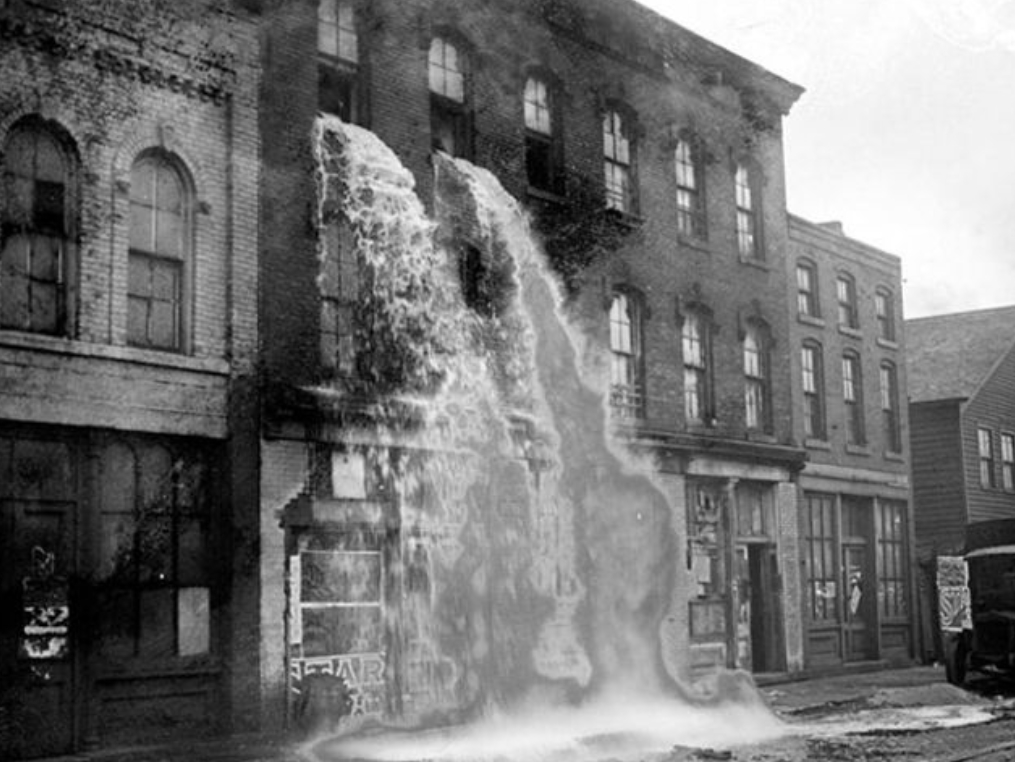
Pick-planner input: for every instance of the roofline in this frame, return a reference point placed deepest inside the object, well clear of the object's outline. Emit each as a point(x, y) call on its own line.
point(893, 260)
point(955, 315)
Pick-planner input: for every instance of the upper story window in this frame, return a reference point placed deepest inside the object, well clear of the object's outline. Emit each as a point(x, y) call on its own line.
point(690, 176)
point(1008, 462)
point(626, 393)
point(814, 390)
point(748, 243)
point(845, 293)
point(38, 230)
point(618, 162)
point(756, 379)
point(884, 308)
point(889, 382)
point(807, 290)
point(338, 45)
point(543, 145)
point(160, 240)
point(449, 98)
point(985, 446)
point(696, 342)
point(852, 397)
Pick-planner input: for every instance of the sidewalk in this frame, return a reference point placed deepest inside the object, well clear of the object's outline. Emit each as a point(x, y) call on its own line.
point(909, 686)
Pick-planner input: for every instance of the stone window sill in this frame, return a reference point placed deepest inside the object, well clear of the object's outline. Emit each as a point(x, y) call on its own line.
point(810, 320)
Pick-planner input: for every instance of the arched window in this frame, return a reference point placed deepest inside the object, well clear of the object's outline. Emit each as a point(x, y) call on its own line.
point(38, 230)
point(690, 177)
point(814, 390)
point(696, 344)
point(756, 378)
point(338, 48)
point(618, 162)
point(748, 239)
point(852, 398)
point(160, 241)
point(543, 154)
point(449, 98)
point(845, 294)
point(807, 302)
point(884, 308)
point(626, 393)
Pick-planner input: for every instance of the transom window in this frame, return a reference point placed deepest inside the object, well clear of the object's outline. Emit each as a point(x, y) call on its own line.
point(890, 407)
point(985, 445)
point(884, 308)
point(1008, 462)
point(690, 209)
point(747, 220)
point(807, 290)
point(845, 291)
point(447, 72)
point(696, 345)
point(626, 396)
point(852, 397)
point(756, 379)
point(37, 229)
point(617, 158)
point(542, 138)
point(814, 391)
point(160, 239)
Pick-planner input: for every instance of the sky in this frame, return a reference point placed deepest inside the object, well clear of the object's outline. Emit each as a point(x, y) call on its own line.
point(906, 131)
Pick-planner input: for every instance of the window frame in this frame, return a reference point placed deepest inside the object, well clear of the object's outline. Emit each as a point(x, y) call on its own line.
point(41, 235)
point(446, 110)
point(699, 408)
point(1007, 461)
point(986, 457)
point(627, 379)
point(884, 310)
point(619, 160)
point(815, 417)
point(845, 299)
point(181, 263)
point(888, 381)
point(808, 303)
point(852, 398)
point(747, 225)
point(549, 142)
point(689, 177)
point(757, 384)
point(340, 88)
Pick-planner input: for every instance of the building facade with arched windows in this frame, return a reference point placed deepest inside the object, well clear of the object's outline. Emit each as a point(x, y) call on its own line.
point(127, 340)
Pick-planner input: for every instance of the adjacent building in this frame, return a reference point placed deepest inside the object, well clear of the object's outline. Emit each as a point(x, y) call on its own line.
point(962, 414)
point(128, 338)
point(849, 378)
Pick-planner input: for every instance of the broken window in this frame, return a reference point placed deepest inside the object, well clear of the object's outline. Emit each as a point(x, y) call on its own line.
point(748, 243)
point(696, 342)
point(689, 174)
point(756, 384)
point(618, 162)
point(339, 60)
point(543, 160)
point(626, 395)
point(449, 101)
point(845, 291)
point(38, 226)
point(814, 390)
point(852, 397)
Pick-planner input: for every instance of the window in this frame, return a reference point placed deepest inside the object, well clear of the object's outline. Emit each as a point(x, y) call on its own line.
point(814, 391)
point(625, 346)
point(697, 349)
point(1008, 462)
point(807, 290)
point(338, 69)
point(748, 243)
point(890, 407)
point(852, 397)
point(618, 160)
point(985, 445)
point(756, 396)
point(884, 308)
point(449, 116)
point(160, 239)
point(542, 137)
point(819, 559)
point(154, 566)
point(892, 594)
point(845, 292)
point(690, 203)
point(38, 227)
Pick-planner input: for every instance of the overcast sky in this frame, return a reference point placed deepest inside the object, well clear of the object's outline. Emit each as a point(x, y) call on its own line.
point(906, 132)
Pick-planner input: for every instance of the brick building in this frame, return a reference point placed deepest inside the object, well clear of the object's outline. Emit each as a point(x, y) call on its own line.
point(651, 161)
point(128, 429)
point(849, 376)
